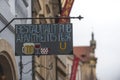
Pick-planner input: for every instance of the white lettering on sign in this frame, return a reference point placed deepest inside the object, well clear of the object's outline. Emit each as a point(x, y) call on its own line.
point(43, 33)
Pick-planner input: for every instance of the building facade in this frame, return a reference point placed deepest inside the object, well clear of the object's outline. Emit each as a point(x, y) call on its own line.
point(10, 9)
point(58, 67)
point(49, 67)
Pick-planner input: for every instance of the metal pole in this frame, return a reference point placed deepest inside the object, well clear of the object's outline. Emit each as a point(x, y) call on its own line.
point(33, 68)
point(21, 67)
point(56, 67)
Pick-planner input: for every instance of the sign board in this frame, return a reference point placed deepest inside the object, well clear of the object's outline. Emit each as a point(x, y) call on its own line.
point(43, 39)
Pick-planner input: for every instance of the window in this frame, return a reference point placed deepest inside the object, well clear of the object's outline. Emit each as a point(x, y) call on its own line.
point(1, 70)
point(36, 6)
point(25, 2)
point(47, 9)
point(2, 76)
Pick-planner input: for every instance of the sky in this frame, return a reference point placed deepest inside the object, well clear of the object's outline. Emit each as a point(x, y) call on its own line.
point(103, 18)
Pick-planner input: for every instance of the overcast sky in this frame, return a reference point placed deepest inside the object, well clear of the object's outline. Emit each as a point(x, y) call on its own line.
point(103, 18)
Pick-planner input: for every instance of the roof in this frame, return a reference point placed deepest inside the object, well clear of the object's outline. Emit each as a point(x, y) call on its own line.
point(82, 52)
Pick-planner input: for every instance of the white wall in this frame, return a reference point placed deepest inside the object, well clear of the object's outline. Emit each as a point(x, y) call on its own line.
point(8, 12)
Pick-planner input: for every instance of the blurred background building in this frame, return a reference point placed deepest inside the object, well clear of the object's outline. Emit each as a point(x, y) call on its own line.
point(87, 65)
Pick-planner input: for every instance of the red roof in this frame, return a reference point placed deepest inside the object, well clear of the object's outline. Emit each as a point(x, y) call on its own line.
point(82, 52)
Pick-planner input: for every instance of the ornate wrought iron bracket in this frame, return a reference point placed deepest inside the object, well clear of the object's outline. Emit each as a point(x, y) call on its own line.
point(79, 17)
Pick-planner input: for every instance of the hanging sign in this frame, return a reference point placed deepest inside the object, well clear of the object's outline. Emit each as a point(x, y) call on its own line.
point(39, 39)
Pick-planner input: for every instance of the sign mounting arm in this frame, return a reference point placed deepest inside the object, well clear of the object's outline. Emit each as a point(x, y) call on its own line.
point(64, 17)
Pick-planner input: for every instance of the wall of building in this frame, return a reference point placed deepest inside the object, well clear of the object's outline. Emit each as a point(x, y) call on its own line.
point(7, 61)
point(10, 9)
point(6, 16)
point(48, 8)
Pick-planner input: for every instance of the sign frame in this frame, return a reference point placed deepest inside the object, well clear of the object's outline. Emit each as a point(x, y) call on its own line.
point(64, 40)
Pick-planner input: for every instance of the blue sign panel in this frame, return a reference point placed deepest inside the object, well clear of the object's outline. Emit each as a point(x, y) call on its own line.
point(43, 39)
